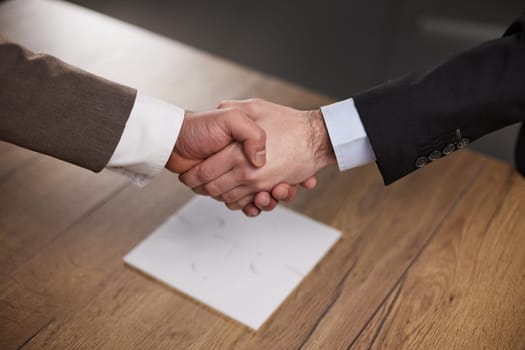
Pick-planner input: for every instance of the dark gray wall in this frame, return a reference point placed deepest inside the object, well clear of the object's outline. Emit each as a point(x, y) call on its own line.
point(335, 47)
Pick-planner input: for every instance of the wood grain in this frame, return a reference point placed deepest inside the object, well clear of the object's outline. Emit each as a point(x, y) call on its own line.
point(467, 290)
point(368, 335)
point(433, 261)
point(86, 267)
point(43, 198)
point(13, 159)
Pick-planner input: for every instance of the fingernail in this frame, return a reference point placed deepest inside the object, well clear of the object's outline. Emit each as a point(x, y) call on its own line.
point(266, 201)
point(260, 158)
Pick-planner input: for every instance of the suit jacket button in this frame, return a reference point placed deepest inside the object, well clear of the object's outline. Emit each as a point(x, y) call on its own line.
point(463, 143)
point(421, 162)
point(449, 149)
point(434, 156)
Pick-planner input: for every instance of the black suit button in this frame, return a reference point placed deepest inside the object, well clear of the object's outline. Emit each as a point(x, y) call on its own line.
point(421, 162)
point(434, 156)
point(449, 149)
point(463, 143)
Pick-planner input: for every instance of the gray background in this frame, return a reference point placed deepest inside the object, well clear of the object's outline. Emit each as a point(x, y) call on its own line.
point(335, 47)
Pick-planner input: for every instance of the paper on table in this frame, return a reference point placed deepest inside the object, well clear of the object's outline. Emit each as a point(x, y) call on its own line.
point(243, 267)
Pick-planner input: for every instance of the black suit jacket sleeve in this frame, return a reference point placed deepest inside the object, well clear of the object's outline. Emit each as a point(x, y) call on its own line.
point(416, 119)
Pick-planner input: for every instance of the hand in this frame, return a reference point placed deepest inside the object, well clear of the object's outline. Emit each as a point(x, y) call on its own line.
point(297, 147)
point(204, 134)
point(267, 201)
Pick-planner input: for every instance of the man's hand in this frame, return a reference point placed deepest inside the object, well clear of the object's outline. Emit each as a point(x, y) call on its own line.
point(204, 134)
point(297, 147)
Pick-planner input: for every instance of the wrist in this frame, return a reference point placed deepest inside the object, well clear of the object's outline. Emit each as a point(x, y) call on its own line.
point(179, 160)
point(319, 139)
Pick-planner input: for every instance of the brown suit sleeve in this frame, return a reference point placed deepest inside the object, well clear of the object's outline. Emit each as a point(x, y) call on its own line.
point(53, 108)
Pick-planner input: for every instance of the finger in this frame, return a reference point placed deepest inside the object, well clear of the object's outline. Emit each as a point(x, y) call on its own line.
point(241, 203)
point(251, 211)
point(264, 201)
point(246, 131)
point(228, 187)
point(309, 183)
point(236, 194)
point(223, 184)
point(284, 192)
point(213, 167)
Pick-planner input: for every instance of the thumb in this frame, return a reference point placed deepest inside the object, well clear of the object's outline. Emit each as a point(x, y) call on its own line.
point(244, 130)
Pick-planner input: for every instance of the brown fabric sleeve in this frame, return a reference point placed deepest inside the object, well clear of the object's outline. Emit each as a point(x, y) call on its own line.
point(54, 108)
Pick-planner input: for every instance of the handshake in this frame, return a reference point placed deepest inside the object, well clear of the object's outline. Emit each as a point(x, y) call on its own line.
point(251, 154)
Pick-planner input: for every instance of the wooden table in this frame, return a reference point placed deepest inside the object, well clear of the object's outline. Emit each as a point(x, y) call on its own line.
point(436, 260)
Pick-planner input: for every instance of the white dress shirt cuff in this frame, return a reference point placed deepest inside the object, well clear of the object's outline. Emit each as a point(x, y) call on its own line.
point(348, 136)
point(148, 139)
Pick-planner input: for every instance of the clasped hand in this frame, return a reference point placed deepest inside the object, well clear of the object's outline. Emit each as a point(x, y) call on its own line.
point(251, 154)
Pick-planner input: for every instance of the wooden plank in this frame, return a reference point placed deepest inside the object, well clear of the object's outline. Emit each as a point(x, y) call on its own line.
point(25, 298)
point(41, 200)
point(71, 290)
point(467, 289)
point(368, 335)
point(44, 199)
point(13, 158)
point(86, 263)
point(335, 304)
point(82, 262)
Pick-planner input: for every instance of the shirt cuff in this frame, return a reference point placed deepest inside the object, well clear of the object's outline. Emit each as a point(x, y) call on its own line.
point(148, 139)
point(347, 134)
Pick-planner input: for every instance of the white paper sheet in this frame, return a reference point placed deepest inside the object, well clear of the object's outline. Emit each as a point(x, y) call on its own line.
point(243, 267)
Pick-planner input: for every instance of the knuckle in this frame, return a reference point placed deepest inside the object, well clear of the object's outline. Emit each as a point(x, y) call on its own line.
point(204, 174)
point(183, 179)
point(199, 190)
point(237, 114)
point(211, 189)
point(247, 200)
point(227, 197)
point(232, 206)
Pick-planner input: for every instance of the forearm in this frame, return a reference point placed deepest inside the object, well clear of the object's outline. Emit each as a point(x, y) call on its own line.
point(424, 116)
point(59, 110)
